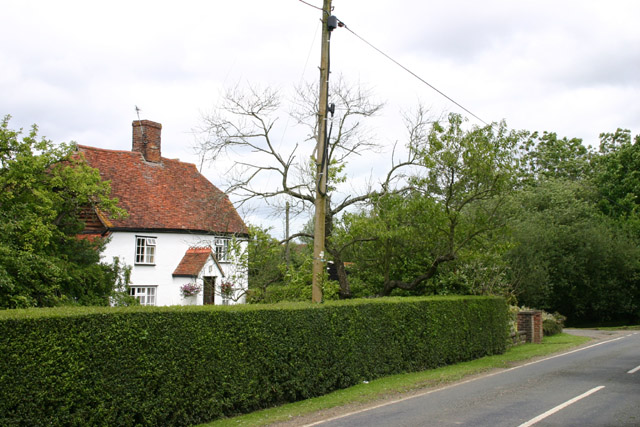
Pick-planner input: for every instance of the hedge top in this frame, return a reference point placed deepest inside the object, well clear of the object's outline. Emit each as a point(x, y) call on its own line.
point(72, 311)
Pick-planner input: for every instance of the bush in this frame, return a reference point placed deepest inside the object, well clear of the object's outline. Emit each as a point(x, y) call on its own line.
point(552, 323)
point(550, 327)
point(188, 365)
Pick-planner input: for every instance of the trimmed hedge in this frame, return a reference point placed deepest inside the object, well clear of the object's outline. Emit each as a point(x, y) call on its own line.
point(187, 365)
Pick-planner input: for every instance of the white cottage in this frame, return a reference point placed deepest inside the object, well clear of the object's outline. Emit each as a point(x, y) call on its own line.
point(182, 232)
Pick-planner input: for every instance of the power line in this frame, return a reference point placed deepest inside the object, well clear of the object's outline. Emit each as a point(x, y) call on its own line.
point(313, 6)
point(412, 73)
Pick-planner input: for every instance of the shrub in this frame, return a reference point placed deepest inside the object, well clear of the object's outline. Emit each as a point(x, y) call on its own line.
point(187, 365)
point(552, 323)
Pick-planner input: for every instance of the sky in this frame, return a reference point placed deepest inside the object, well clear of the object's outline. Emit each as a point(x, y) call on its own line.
point(78, 69)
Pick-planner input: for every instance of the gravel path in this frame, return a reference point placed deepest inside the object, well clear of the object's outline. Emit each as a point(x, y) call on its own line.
point(597, 334)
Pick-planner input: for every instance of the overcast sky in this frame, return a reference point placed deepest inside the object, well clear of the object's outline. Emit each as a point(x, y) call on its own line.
point(78, 68)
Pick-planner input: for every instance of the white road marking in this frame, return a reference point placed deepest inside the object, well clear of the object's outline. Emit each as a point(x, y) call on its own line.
point(560, 407)
point(634, 370)
point(337, 417)
point(572, 351)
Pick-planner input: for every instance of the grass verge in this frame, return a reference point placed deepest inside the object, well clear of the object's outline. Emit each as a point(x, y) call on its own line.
point(386, 387)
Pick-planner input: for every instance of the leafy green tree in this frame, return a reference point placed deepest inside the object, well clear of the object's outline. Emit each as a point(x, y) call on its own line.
point(480, 270)
point(617, 176)
point(265, 260)
point(274, 276)
point(547, 156)
point(43, 190)
point(393, 240)
point(565, 254)
point(568, 257)
point(455, 204)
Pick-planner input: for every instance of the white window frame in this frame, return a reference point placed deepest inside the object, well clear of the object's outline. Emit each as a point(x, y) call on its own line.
point(146, 295)
point(221, 249)
point(145, 250)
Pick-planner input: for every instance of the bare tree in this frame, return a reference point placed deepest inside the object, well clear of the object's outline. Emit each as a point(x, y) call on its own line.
point(242, 128)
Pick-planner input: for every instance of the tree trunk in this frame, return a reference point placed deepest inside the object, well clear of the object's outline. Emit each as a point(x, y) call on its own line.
point(390, 285)
point(343, 280)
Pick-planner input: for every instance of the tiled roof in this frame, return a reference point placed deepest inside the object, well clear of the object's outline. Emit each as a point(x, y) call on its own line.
point(169, 195)
point(193, 262)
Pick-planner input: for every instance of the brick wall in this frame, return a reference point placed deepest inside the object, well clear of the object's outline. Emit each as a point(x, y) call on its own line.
point(147, 139)
point(531, 323)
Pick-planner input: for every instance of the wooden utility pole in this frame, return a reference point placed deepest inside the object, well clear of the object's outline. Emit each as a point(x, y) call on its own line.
point(322, 161)
point(287, 253)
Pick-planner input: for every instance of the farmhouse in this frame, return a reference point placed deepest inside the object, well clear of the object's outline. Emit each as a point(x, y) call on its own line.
point(182, 233)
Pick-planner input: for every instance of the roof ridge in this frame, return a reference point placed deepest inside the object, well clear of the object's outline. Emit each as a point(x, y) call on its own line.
point(172, 195)
point(111, 150)
point(135, 153)
point(199, 249)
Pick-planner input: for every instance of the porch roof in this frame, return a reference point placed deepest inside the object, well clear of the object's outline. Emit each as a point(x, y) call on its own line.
point(194, 261)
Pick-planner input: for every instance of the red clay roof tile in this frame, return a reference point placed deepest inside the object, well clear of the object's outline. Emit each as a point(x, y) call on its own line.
point(193, 262)
point(170, 195)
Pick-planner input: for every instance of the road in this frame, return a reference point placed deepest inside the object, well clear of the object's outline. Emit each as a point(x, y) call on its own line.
point(597, 385)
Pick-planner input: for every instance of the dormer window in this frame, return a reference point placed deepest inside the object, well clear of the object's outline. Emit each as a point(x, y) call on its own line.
point(145, 250)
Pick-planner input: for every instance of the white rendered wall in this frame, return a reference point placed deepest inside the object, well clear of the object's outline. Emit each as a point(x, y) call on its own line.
point(170, 248)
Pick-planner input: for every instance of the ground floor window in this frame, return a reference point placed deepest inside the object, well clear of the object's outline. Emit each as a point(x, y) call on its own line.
point(145, 294)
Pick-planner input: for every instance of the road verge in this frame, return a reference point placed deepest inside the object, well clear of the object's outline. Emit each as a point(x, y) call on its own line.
point(393, 387)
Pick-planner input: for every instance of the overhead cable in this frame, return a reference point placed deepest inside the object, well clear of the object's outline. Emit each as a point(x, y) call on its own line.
point(412, 73)
point(313, 6)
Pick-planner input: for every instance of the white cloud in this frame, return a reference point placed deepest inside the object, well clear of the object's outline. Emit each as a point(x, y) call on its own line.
point(78, 68)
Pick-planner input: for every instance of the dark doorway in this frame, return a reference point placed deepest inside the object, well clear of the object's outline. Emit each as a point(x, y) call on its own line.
point(209, 290)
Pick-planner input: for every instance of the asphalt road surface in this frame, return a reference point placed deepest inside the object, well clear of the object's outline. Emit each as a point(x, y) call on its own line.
point(596, 385)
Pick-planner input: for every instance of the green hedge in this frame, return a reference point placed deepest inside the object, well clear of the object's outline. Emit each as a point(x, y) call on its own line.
point(187, 365)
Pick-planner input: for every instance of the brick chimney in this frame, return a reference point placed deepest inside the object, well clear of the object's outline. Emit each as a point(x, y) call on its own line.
point(146, 139)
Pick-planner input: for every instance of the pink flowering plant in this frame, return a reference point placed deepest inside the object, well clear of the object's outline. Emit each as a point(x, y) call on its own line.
point(190, 289)
point(226, 289)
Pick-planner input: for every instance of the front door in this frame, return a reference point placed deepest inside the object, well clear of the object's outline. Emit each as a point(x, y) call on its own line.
point(209, 290)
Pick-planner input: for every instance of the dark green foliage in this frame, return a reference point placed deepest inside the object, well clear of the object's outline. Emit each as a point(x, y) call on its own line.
point(43, 190)
point(552, 324)
point(453, 206)
point(277, 276)
point(186, 365)
point(574, 231)
point(547, 156)
point(570, 258)
point(551, 327)
point(265, 258)
point(617, 176)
